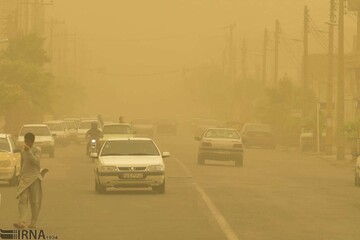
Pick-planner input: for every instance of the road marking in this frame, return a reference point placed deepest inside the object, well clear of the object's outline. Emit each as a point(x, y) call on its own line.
point(223, 224)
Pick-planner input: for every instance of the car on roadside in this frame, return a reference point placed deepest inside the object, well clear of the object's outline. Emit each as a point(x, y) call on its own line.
point(43, 137)
point(143, 127)
point(59, 129)
point(10, 160)
point(130, 163)
point(258, 135)
point(222, 144)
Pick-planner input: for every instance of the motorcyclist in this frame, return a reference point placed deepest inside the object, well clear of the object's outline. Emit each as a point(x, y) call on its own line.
point(93, 133)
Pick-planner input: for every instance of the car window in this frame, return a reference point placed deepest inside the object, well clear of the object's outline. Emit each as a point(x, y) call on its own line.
point(116, 129)
point(71, 125)
point(38, 131)
point(133, 148)
point(85, 125)
point(222, 133)
point(4, 145)
point(12, 143)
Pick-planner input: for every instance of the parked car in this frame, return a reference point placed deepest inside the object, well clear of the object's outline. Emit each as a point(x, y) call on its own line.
point(10, 158)
point(222, 144)
point(130, 163)
point(143, 127)
point(258, 135)
point(43, 137)
point(166, 127)
point(59, 129)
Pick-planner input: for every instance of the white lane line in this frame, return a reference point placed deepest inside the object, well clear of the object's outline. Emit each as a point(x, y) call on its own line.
point(223, 224)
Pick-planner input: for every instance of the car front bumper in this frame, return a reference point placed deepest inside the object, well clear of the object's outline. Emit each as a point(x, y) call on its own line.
point(115, 179)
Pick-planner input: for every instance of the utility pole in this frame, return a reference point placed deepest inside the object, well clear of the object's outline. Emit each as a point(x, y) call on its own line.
point(306, 48)
point(329, 91)
point(264, 56)
point(277, 40)
point(232, 54)
point(340, 87)
point(53, 24)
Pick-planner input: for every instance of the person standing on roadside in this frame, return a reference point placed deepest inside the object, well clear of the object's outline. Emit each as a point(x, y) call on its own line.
point(29, 191)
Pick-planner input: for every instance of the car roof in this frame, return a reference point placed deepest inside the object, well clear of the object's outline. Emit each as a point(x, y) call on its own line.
point(35, 125)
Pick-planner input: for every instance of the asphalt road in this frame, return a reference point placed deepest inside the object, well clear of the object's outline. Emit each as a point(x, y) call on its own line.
point(278, 194)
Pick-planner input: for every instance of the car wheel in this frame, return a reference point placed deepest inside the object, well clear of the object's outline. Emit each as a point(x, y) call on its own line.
point(14, 180)
point(201, 160)
point(159, 189)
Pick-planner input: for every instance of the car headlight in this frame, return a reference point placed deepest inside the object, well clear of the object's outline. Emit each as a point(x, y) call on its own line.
point(156, 168)
point(108, 169)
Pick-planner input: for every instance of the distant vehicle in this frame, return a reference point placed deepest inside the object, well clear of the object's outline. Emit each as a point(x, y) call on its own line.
point(72, 119)
point(143, 127)
point(83, 127)
point(10, 158)
point(117, 130)
point(222, 144)
point(258, 135)
point(71, 126)
point(130, 163)
point(60, 130)
point(203, 124)
point(43, 137)
point(166, 127)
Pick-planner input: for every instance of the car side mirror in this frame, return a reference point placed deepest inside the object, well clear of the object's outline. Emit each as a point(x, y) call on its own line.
point(54, 134)
point(165, 154)
point(198, 138)
point(94, 155)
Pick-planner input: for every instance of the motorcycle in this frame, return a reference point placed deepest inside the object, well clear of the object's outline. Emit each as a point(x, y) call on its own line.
point(93, 149)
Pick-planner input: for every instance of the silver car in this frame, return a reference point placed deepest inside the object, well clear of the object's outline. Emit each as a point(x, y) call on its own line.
point(222, 144)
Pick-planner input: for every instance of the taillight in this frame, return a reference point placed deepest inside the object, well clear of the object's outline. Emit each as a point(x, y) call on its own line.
point(206, 144)
point(237, 145)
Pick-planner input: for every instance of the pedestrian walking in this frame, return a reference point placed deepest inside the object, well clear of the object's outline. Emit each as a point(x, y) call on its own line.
point(29, 191)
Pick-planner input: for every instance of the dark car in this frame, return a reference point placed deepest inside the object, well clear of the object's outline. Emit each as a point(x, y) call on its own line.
point(258, 135)
point(166, 127)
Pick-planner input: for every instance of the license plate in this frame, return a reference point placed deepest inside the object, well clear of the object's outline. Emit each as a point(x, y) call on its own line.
point(132, 175)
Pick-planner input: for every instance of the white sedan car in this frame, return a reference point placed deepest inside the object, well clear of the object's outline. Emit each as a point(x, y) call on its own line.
point(10, 158)
point(130, 163)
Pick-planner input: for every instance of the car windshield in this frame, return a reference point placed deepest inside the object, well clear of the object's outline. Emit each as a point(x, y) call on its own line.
point(130, 148)
point(117, 129)
point(55, 126)
point(222, 133)
point(38, 131)
point(4, 145)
